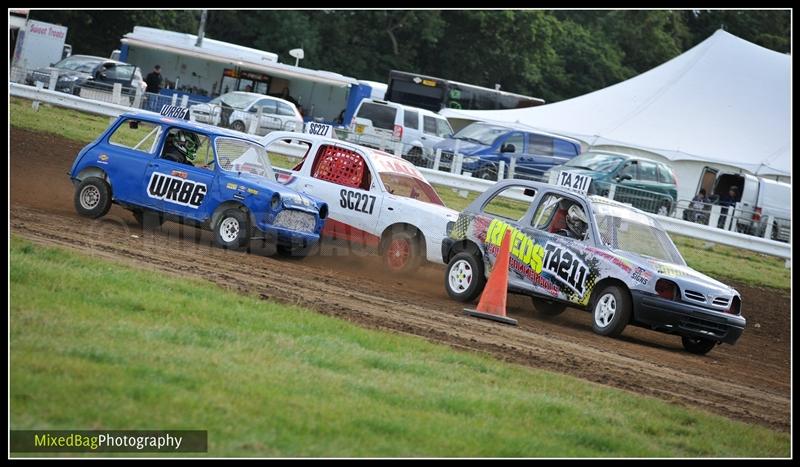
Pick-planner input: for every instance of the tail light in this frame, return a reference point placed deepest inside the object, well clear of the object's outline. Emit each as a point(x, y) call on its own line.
point(398, 132)
point(757, 214)
point(736, 306)
point(667, 289)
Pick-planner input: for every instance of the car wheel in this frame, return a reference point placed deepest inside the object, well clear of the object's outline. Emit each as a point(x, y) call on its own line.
point(548, 307)
point(698, 345)
point(663, 210)
point(93, 197)
point(232, 229)
point(775, 234)
point(464, 279)
point(486, 174)
point(148, 219)
point(401, 252)
point(611, 311)
point(238, 125)
point(415, 156)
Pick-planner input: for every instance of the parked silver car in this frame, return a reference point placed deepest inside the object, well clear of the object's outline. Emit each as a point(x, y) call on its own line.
point(591, 253)
point(237, 110)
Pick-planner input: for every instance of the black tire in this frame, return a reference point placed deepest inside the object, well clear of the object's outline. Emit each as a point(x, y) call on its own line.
point(232, 230)
point(93, 197)
point(548, 307)
point(698, 345)
point(415, 156)
point(486, 174)
point(401, 252)
point(664, 208)
point(611, 311)
point(238, 125)
point(149, 219)
point(464, 278)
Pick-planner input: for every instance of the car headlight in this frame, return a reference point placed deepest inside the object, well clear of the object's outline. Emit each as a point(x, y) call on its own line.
point(470, 160)
point(69, 79)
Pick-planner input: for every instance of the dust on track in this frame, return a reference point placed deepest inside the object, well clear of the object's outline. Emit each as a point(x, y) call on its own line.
point(749, 381)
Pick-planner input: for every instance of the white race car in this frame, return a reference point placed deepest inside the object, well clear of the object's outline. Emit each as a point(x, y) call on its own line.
point(375, 199)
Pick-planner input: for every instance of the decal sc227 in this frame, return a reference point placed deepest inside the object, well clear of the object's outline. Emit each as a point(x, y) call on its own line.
point(356, 201)
point(176, 190)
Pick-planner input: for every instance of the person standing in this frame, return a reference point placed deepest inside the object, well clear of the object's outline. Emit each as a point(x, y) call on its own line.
point(154, 80)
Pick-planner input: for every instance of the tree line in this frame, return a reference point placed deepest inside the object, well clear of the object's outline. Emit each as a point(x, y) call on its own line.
point(554, 55)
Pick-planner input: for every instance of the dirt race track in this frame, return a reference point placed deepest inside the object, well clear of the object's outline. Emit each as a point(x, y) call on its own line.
point(749, 381)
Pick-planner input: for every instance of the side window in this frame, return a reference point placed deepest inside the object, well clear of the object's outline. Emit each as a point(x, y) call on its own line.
point(541, 145)
point(647, 171)
point(411, 119)
point(443, 128)
point(285, 109)
point(510, 203)
point(629, 169)
point(205, 154)
point(138, 135)
point(429, 124)
point(188, 147)
point(268, 105)
point(516, 139)
point(665, 176)
point(342, 167)
point(564, 148)
point(288, 153)
point(121, 72)
point(553, 215)
point(382, 116)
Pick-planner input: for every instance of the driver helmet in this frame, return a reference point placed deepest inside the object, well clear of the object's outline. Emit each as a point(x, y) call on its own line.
point(186, 143)
point(576, 221)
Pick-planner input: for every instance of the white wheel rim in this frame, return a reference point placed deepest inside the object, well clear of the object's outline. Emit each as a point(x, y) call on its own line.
point(90, 197)
point(605, 310)
point(662, 211)
point(460, 276)
point(229, 229)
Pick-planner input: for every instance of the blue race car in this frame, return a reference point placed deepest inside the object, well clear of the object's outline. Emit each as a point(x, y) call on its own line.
point(164, 168)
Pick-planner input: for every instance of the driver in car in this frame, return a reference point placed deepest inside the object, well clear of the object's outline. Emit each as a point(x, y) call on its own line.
point(577, 224)
point(181, 147)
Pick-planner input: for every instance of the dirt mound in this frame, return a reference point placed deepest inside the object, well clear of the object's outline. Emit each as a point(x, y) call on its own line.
point(748, 381)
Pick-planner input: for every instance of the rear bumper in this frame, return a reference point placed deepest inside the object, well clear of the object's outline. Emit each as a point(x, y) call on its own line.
point(685, 319)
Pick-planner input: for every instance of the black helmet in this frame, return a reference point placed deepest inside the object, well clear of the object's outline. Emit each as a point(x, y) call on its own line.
point(576, 221)
point(187, 143)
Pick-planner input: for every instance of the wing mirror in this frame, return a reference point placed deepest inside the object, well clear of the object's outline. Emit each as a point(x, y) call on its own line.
point(508, 148)
point(622, 178)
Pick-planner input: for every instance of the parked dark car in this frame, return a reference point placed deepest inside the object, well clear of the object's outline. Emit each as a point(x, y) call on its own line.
point(646, 184)
point(484, 145)
point(78, 71)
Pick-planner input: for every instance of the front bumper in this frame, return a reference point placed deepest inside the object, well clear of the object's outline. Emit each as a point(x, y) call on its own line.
point(685, 319)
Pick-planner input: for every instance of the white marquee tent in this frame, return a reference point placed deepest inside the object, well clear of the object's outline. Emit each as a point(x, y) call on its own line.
point(724, 101)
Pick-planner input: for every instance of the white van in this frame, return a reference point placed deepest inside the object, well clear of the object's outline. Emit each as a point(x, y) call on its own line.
point(758, 199)
point(381, 124)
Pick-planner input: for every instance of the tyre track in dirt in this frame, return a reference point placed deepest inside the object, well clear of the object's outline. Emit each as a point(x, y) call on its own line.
point(748, 381)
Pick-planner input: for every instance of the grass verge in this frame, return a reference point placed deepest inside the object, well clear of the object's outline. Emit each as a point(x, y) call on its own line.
point(98, 345)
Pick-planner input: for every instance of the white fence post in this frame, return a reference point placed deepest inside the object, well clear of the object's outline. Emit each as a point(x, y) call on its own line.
point(137, 98)
point(768, 230)
point(185, 101)
point(612, 191)
point(174, 99)
point(53, 80)
point(501, 170)
point(512, 165)
point(398, 148)
point(254, 123)
point(116, 94)
point(713, 218)
point(35, 104)
point(437, 158)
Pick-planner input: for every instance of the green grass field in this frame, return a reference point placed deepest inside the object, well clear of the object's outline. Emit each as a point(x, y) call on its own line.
point(98, 345)
point(718, 261)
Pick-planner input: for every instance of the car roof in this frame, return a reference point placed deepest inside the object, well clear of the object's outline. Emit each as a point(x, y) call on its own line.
point(258, 96)
point(103, 59)
point(189, 125)
point(624, 156)
point(524, 128)
point(404, 106)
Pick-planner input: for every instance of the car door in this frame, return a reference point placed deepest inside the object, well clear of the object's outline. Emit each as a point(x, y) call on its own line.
point(182, 189)
point(645, 187)
point(518, 154)
point(538, 157)
point(345, 180)
point(126, 156)
point(564, 272)
point(270, 121)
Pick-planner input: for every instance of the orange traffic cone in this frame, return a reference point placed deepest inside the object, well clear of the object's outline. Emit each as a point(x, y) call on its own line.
point(492, 304)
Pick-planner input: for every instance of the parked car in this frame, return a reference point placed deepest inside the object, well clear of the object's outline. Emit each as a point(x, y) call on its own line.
point(485, 145)
point(758, 198)
point(78, 71)
point(237, 110)
point(590, 253)
point(163, 168)
point(377, 201)
point(646, 184)
point(379, 123)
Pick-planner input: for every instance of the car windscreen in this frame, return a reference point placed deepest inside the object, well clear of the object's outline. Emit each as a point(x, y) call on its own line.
point(626, 230)
point(75, 63)
point(382, 116)
point(237, 101)
point(238, 157)
point(481, 133)
point(595, 161)
point(410, 187)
